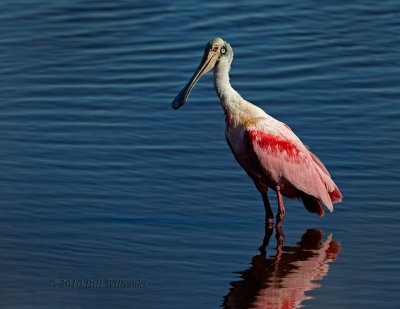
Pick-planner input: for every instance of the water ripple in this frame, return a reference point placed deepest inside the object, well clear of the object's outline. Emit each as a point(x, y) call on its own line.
point(99, 177)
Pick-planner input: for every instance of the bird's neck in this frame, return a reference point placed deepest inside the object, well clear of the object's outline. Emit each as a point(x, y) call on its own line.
point(231, 100)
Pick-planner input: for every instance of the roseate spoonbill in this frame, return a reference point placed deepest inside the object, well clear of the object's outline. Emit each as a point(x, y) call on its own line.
point(268, 150)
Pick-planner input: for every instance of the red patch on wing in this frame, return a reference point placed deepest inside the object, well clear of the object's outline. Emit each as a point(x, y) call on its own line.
point(275, 143)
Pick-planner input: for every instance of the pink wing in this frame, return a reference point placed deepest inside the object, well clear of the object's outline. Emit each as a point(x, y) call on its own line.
point(284, 156)
point(335, 195)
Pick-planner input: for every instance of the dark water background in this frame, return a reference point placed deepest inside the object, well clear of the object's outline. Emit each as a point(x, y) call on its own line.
point(100, 178)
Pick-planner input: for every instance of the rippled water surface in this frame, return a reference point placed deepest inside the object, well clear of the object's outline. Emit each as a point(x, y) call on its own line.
point(101, 180)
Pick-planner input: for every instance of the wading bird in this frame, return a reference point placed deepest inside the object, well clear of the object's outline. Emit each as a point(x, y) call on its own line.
point(267, 149)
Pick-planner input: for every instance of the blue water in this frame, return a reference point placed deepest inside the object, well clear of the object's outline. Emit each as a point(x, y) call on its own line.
point(101, 180)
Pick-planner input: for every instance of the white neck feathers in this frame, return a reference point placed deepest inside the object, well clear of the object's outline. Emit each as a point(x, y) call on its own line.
point(229, 97)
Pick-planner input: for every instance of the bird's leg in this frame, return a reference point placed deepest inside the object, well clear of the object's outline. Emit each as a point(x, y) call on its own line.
point(280, 239)
point(267, 236)
point(281, 213)
point(269, 215)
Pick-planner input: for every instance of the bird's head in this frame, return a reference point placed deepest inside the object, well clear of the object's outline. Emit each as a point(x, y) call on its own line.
point(216, 50)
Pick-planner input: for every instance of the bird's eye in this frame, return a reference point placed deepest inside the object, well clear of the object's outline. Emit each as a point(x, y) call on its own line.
point(223, 50)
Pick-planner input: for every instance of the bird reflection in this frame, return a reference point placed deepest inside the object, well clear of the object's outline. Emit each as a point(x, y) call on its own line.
point(281, 280)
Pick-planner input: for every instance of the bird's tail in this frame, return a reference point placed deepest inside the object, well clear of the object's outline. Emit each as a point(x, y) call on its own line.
point(335, 195)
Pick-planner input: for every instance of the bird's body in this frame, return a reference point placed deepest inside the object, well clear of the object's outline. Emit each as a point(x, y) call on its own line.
point(267, 149)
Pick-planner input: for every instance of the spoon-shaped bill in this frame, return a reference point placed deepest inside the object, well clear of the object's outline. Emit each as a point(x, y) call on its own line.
point(207, 63)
